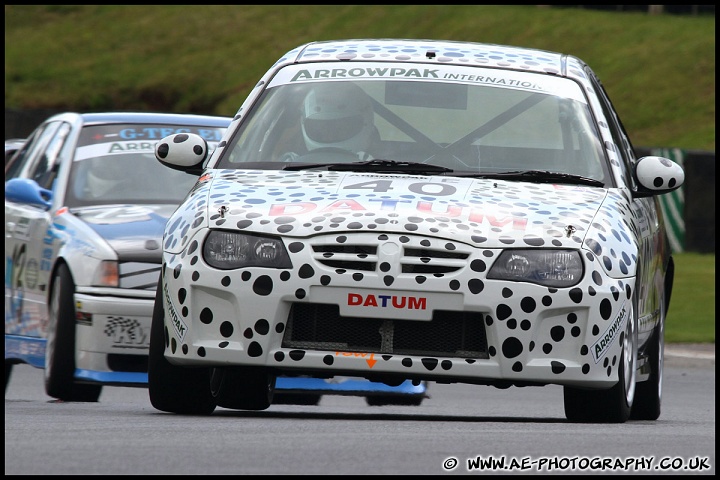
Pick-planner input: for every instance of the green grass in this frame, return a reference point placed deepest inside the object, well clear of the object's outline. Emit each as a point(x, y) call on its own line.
point(691, 318)
point(658, 69)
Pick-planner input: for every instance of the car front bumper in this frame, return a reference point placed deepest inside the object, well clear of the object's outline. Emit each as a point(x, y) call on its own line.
point(112, 339)
point(500, 334)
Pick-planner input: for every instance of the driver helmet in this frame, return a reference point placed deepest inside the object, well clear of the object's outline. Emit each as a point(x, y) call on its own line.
point(105, 173)
point(338, 115)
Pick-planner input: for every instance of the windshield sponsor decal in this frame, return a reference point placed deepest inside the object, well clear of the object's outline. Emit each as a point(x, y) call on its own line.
point(409, 73)
point(100, 140)
point(600, 348)
point(110, 133)
point(469, 75)
point(120, 148)
point(158, 133)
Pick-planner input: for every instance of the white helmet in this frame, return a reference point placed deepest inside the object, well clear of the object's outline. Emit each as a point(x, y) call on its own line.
point(104, 173)
point(338, 115)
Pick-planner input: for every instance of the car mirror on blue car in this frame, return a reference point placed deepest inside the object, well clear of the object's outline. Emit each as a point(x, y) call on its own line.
point(24, 190)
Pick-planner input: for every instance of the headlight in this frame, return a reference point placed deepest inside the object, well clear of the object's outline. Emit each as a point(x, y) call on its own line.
point(106, 274)
point(550, 268)
point(228, 250)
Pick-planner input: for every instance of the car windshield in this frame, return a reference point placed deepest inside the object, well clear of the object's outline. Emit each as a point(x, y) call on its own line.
point(467, 119)
point(117, 164)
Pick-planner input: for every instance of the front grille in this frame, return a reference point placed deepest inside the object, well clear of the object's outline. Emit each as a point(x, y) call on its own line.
point(448, 334)
point(425, 260)
point(365, 258)
point(118, 362)
point(348, 257)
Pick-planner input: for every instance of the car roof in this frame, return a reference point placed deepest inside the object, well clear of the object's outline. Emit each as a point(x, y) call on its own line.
point(144, 117)
point(436, 51)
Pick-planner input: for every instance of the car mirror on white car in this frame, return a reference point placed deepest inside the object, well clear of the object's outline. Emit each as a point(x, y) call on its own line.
point(658, 175)
point(182, 151)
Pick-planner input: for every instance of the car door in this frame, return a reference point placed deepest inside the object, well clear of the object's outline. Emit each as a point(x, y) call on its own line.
point(28, 254)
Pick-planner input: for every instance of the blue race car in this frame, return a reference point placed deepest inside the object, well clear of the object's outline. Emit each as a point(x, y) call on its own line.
point(85, 206)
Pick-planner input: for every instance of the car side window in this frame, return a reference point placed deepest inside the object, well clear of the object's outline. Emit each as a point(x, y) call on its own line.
point(13, 169)
point(24, 162)
point(622, 143)
point(45, 168)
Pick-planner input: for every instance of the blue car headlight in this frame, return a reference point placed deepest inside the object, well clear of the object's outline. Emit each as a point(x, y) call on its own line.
point(228, 250)
point(550, 268)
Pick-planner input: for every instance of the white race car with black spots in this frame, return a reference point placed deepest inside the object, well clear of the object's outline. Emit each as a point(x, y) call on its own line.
point(416, 210)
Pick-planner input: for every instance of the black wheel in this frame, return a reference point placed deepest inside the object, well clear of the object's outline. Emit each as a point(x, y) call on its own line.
point(60, 345)
point(281, 398)
point(8, 371)
point(614, 404)
point(184, 390)
point(243, 388)
point(648, 394)
point(381, 400)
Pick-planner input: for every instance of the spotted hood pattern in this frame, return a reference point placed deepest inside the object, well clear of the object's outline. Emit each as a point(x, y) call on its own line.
point(531, 330)
point(478, 212)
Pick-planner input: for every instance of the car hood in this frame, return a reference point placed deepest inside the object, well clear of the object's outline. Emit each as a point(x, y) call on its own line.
point(486, 212)
point(133, 231)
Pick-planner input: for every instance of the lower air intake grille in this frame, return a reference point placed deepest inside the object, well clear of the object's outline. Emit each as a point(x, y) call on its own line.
point(448, 334)
point(118, 362)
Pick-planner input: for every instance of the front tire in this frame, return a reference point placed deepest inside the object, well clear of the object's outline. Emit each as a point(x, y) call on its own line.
point(380, 400)
point(60, 345)
point(243, 388)
point(8, 372)
point(310, 399)
point(614, 404)
point(648, 394)
point(183, 390)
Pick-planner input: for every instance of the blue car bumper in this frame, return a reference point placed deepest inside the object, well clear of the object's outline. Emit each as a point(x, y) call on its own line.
point(347, 386)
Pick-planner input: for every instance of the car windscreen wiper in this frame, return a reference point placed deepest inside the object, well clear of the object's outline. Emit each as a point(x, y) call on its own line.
point(539, 176)
point(384, 166)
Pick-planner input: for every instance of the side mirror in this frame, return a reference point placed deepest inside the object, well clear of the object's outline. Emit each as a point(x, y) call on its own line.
point(182, 151)
point(24, 190)
point(657, 175)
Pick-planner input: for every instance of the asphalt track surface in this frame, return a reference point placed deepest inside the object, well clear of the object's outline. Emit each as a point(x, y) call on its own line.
point(459, 424)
